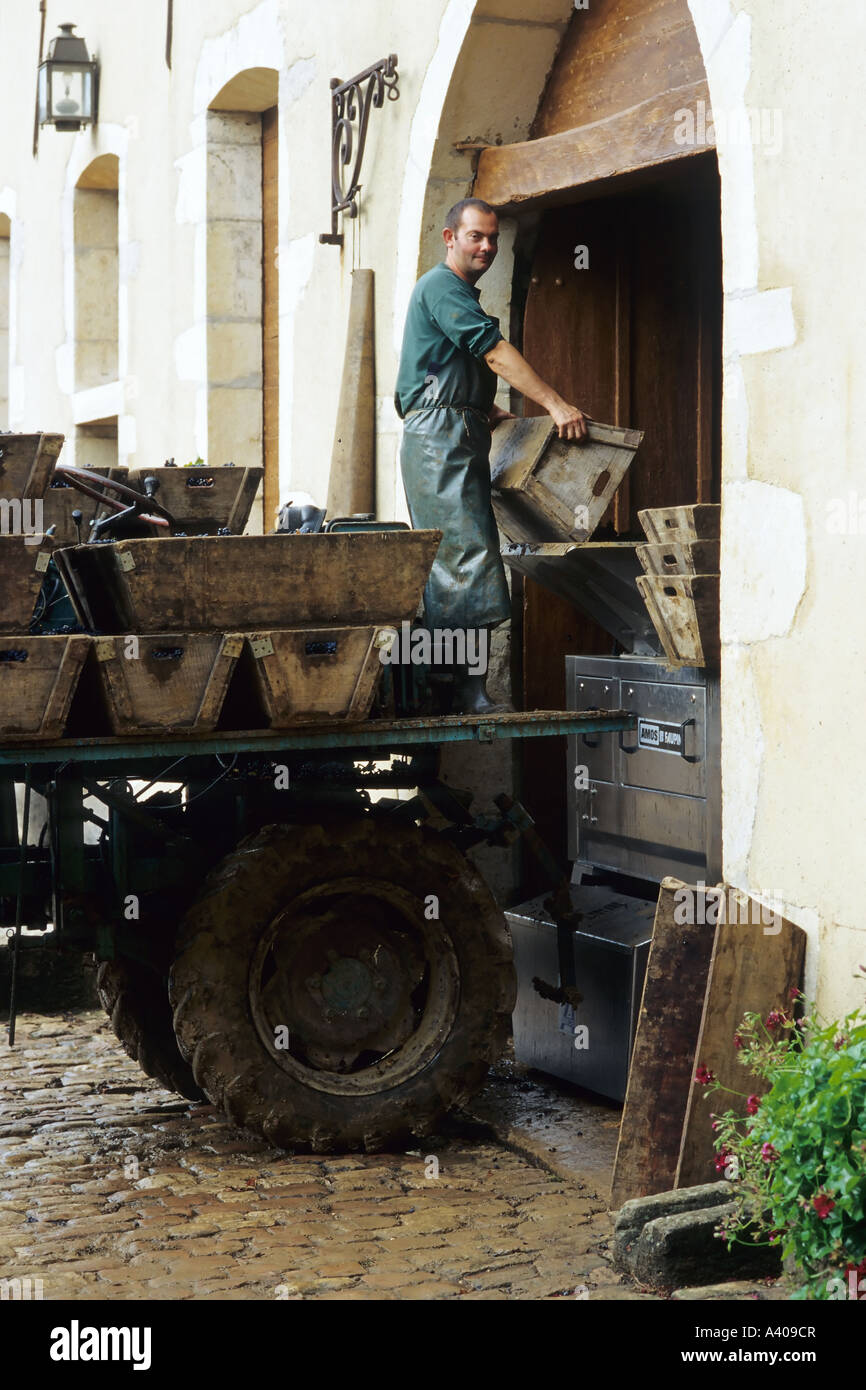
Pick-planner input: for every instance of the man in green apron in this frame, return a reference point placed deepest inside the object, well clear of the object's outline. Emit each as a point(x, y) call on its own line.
point(446, 386)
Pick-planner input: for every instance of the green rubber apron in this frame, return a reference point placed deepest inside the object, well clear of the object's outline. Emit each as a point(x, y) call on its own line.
point(445, 461)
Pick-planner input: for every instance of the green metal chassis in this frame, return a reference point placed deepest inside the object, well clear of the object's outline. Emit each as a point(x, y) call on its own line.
point(161, 853)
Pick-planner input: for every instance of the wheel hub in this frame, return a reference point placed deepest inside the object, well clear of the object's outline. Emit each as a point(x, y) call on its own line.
point(363, 985)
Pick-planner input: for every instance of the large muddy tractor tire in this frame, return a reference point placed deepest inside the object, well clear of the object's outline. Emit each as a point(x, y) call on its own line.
point(136, 1000)
point(343, 985)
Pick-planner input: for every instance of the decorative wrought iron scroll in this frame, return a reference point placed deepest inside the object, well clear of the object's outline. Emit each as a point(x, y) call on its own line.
point(351, 103)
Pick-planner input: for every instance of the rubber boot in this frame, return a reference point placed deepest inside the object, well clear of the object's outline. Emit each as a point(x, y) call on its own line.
point(470, 695)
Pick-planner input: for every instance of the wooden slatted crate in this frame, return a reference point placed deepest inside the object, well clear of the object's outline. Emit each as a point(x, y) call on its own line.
point(680, 557)
point(38, 678)
point(166, 680)
point(309, 674)
point(549, 489)
point(700, 522)
point(22, 571)
point(685, 613)
point(202, 500)
point(244, 583)
point(27, 462)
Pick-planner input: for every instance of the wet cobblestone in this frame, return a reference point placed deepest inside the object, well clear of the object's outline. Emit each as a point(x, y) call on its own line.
point(112, 1188)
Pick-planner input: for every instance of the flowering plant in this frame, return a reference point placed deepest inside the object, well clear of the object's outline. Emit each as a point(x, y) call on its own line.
point(798, 1154)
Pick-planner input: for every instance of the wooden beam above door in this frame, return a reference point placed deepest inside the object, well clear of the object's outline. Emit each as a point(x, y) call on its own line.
point(541, 171)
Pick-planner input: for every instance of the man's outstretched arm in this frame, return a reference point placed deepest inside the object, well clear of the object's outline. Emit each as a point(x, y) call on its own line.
point(507, 362)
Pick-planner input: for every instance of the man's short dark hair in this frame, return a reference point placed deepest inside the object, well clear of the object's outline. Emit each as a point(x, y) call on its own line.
point(455, 214)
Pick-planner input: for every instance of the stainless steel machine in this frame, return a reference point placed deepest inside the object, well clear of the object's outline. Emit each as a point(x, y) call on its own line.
point(641, 805)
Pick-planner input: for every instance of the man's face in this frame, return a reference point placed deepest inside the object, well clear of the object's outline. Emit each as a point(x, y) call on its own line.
point(472, 248)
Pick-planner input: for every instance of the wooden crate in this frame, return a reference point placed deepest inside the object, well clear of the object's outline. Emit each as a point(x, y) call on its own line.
point(700, 522)
point(551, 489)
point(38, 678)
point(685, 614)
point(167, 681)
point(61, 500)
point(27, 462)
point(309, 674)
point(243, 583)
point(22, 571)
point(202, 500)
point(680, 557)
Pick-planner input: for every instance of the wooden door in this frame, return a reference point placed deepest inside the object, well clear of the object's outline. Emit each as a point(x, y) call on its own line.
point(623, 318)
point(270, 319)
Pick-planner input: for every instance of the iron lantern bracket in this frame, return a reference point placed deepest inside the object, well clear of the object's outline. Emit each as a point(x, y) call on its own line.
point(351, 103)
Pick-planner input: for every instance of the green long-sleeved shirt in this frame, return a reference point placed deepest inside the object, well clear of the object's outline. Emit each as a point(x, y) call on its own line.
point(445, 338)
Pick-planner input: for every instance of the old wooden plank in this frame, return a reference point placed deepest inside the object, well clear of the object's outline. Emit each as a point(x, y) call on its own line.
point(616, 54)
point(538, 170)
point(757, 959)
point(663, 1058)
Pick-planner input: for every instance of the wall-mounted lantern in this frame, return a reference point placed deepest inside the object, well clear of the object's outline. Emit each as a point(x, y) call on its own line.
point(68, 81)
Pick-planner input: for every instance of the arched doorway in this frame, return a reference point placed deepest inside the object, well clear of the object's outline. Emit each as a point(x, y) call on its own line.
point(609, 277)
point(243, 277)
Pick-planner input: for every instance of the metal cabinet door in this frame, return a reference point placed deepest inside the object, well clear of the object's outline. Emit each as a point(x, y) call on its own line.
point(668, 750)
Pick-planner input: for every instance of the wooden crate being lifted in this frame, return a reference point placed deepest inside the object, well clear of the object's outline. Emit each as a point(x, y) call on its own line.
point(549, 489)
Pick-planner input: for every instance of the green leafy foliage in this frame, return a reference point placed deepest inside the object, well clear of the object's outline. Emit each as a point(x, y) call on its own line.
point(798, 1157)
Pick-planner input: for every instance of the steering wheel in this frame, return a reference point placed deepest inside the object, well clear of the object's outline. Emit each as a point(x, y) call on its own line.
point(83, 481)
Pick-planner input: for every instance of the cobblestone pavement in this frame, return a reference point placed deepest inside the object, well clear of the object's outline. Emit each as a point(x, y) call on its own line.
point(112, 1188)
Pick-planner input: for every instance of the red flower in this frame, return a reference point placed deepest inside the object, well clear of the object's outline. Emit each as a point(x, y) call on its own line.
point(823, 1204)
point(839, 1041)
point(703, 1077)
point(768, 1153)
point(738, 1041)
point(752, 1105)
point(794, 993)
point(774, 1018)
point(722, 1160)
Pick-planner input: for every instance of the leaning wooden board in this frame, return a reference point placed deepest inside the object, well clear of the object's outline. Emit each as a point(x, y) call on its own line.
point(754, 965)
point(663, 1057)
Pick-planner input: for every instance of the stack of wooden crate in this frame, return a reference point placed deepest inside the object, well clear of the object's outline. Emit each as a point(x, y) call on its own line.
point(306, 616)
point(680, 584)
point(38, 675)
